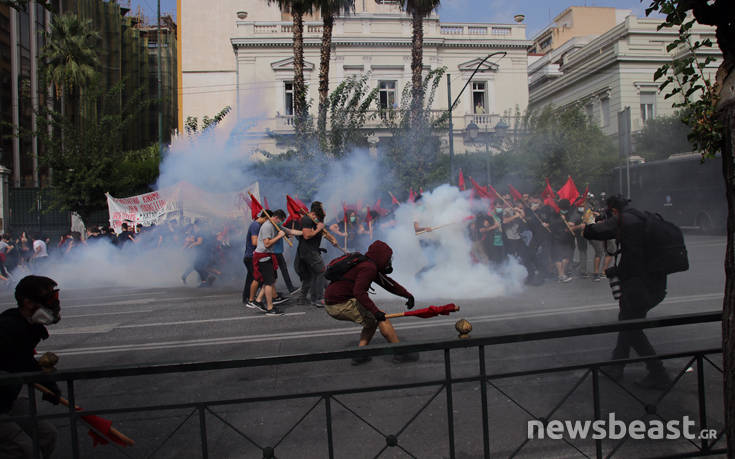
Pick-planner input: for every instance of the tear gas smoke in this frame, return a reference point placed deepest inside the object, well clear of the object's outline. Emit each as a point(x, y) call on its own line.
point(221, 159)
point(454, 275)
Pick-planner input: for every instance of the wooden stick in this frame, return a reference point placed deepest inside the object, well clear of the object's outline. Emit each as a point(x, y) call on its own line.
point(394, 315)
point(567, 225)
point(330, 237)
point(508, 204)
point(345, 218)
point(124, 438)
point(272, 222)
point(434, 228)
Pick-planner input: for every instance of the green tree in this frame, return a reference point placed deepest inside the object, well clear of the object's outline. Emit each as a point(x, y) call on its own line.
point(418, 9)
point(562, 142)
point(69, 59)
point(298, 8)
point(412, 151)
point(191, 126)
point(328, 9)
point(661, 137)
point(710, 112)
point(91, 160)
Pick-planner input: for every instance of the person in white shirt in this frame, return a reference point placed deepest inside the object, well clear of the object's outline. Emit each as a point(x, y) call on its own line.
point(40, 253)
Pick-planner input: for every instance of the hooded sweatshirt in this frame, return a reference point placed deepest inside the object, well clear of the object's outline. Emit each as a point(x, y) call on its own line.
point(356, 282)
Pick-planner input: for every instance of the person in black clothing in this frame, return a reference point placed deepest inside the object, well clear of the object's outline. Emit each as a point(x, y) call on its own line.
point(640, 290)
point(308, 262)
point(125, 236)
point(562, 240)
point(21, 329)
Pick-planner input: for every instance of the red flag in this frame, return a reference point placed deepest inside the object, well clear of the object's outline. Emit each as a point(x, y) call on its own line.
point(492, 192)
point(548, 191)
point(411, 196)
point(569, 191)
point(481, 191)
point(295, 209)
point(583, 197)
point(461, 180)
point(368, 217)
point(433, 311)
point(515, 193)
point(393, 200)
point(104, 427)
point(255, 207)
point(382, 212)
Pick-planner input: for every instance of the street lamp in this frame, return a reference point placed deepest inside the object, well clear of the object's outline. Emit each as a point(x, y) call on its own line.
point(495, 137)
point(451, 107)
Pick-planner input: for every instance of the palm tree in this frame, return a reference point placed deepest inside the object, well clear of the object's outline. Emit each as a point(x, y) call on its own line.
point(329, 9)
point(70, 58)
point(418, 9)
point(297, 8)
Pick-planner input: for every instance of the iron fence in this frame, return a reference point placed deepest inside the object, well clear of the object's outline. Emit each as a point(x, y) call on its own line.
point(437, 387)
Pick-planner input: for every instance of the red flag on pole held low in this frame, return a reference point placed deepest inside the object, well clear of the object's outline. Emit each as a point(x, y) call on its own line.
point(515, 193)
point(548, 191)
point(569, 191)
point(255, 207)
point(427, 313)
point(460, 182)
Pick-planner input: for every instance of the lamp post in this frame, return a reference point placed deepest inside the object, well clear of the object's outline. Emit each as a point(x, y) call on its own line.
point(495, 137)
point(451, 107)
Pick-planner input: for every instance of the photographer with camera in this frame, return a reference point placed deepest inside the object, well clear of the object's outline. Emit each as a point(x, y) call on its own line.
point(636, 289)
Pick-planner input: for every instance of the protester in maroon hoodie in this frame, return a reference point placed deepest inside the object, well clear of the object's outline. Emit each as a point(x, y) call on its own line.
point(348, 299)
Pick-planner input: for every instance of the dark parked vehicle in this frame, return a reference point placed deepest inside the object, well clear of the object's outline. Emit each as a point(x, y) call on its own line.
point(683, 189)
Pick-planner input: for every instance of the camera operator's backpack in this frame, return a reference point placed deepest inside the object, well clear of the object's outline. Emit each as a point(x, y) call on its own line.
point(665, 249)
point(340, 265)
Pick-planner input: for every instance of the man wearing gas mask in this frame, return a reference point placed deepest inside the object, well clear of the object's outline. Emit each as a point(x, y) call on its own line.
point(348, 299)
point(21, 329)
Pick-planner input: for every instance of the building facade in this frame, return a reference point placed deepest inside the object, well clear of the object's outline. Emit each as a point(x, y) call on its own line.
point(574, 22)
point(607, 73)
point(124, 54)
point(240, 53)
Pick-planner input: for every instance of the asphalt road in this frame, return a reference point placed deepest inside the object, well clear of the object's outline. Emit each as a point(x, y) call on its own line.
point(113, 326)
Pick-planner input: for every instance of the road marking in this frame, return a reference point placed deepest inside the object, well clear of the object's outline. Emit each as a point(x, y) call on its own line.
point(105, 328)
point(97, 314)
point(202, 321)
point(147, 301)
point(320, 333)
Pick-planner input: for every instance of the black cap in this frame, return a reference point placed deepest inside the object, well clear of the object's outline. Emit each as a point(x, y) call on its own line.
point(36, 288)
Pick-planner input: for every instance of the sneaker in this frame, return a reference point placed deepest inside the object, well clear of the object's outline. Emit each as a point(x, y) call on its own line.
point(405, 358)
point(360, 360)
point(318, 303)
point(565, 279)
point(274, 312)
point(595, 277)
point(255, 304)
point(294, 292)
point(603, 276)
point(659, 380)
point(279, 300)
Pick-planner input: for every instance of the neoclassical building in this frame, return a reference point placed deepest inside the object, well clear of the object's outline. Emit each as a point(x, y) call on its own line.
point(608, 72)
point(239, 53)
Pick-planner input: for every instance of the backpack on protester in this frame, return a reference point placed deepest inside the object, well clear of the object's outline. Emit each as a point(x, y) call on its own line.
point(340, 265)
point(665, 249)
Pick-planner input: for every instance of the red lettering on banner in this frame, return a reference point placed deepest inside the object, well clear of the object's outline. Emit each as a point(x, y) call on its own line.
point(150, 197)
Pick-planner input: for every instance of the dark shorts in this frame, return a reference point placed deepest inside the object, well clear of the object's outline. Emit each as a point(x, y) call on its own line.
point(562, 249)
point(265, 272)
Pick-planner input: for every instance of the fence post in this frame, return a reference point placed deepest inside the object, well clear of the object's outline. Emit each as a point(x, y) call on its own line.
point(450, 404)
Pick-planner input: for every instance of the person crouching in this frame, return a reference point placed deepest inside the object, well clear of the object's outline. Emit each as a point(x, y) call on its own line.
point(348, 299)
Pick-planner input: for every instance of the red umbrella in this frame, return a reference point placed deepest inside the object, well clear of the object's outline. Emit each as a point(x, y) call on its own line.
point(425, 313)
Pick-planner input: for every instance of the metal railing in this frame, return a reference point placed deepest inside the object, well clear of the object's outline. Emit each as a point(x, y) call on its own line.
point(329, 399)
